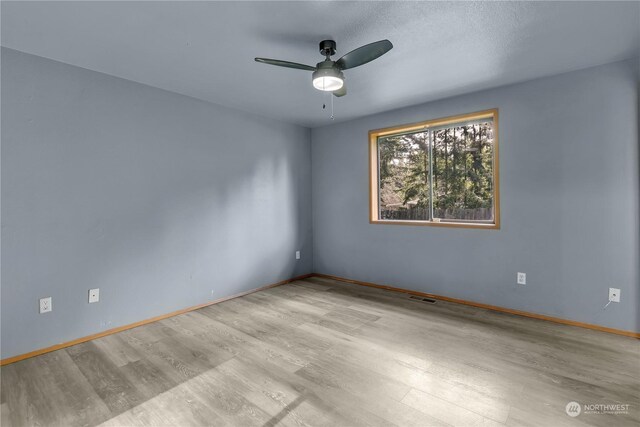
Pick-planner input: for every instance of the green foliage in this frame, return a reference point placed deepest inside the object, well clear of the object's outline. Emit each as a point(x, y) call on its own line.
point(461, 169)
point(404, 166)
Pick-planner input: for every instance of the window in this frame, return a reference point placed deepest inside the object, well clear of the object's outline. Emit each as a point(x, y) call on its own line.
point(441, 172)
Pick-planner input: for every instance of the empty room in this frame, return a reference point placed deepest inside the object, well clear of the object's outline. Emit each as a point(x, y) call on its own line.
point(320, 213)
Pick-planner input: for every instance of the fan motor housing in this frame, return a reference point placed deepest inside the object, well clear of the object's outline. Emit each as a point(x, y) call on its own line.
point(327, 68)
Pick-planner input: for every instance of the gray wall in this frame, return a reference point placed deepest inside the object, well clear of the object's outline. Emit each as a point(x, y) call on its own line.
point(569, 203)
point(160, 200)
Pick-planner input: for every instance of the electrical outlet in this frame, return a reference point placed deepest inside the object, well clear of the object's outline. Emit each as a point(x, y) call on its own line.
point(297, 254)
point(94, 295)
point(46, 305)
point(522, 278)
point(614, 295)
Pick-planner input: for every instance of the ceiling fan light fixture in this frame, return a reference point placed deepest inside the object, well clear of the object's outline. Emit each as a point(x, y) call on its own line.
point(328, 83)
point(328, 79)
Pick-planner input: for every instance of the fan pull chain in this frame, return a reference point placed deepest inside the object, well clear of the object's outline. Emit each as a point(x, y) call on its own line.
point(324, 103)
point(324, 94)
point(331, 106)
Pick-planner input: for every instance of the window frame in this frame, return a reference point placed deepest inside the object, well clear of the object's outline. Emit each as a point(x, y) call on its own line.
point(374, 211)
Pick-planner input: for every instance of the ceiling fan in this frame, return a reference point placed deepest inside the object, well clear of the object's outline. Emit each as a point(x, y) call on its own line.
point(327, 75)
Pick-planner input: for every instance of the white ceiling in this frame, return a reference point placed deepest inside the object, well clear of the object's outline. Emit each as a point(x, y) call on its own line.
point(206, 49)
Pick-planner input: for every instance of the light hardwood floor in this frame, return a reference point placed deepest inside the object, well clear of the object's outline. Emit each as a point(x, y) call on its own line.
point(319, 352)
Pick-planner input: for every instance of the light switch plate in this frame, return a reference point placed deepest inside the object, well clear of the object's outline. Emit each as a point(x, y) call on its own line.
point(297, 254)
point(94, 295)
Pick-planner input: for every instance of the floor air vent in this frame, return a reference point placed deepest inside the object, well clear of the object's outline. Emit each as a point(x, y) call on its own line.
point(417, 298)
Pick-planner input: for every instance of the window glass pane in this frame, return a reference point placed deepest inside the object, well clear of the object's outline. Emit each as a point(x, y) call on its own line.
point(403, 162)
point(463, 173)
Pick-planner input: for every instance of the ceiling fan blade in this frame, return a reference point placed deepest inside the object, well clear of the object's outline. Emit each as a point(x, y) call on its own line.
point(364, 54)
point(285, 64)
point(341, 92)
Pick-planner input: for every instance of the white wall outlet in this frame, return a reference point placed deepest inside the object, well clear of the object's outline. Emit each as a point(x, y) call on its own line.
point(46, 305)
point(94, 295)
point(522, 278)
point(614, 295)
point(297, 254)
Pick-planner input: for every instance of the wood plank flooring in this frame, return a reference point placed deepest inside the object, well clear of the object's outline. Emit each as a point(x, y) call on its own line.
point(318, 352)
